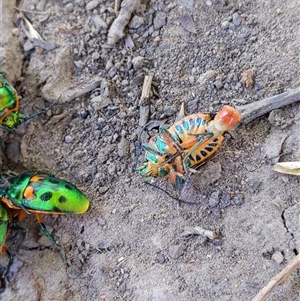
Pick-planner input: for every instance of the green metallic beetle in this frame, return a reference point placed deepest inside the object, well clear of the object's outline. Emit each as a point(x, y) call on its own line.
point(10, 117)
point(38, 193)
point(4, 220)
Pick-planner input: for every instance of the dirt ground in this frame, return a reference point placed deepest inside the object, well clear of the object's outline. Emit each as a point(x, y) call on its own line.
point(130, 246)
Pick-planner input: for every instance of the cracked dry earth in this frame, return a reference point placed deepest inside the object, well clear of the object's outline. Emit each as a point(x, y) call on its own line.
point(129, 245)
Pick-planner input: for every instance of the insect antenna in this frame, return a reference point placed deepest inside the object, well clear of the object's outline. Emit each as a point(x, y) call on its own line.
point(44, 111)
point(172, 197)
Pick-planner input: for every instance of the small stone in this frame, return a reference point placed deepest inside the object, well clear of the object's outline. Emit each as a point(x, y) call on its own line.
point(68, 139)
point(225, 199)
point(112, 169)
point(138, 62)
point(124, 148)
point(28, 46)
point(92, 4)
point(225, 24)
point(191, 79)
point(176, 251)
point(16, 31)
point(73, 271)
point(99, 22)
point(95, 55)
point(136, 22)
point(79, 64)
point(100, 102)
point(277, 257)
point(214, 199)
point(159, 20)
point(160, 258)
point(103, 189)
point(236, 19)
point(205, 77)
point(208, 3)
point(69, 8)
point(168, 111)
point(192, 105)
point(238, 199)
point(218, 84)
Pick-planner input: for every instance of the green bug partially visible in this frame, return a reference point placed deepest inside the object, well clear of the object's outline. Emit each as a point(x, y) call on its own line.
point(38, 193)
point(4, 220)
point(10, 117)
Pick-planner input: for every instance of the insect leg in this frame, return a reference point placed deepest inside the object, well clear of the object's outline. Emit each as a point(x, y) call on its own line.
point(170, 139)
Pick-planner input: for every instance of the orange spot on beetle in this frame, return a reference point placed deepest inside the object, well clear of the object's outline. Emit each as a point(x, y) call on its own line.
point(36, 178)
point(29, 193)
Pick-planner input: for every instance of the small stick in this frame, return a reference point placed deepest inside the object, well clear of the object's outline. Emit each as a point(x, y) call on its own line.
point(199, 231)
point(117, 7)
point(31, 12)
point(256, 109)
point(278, 279)
point(146, 89)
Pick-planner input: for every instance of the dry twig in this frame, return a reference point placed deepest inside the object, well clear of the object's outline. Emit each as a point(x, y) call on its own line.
point(146, 89)
point(199, 231)
point(256, 109)
point(278, 279)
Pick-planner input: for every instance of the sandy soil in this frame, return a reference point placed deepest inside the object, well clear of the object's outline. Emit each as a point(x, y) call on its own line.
point(129, 245)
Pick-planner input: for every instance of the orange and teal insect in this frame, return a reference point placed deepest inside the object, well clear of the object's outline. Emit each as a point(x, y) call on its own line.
point(10, 117)
point(43, 194)
point(187, 143)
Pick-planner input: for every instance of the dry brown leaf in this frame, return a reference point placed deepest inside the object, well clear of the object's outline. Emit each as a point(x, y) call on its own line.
point(291, 168)
point(248, 78)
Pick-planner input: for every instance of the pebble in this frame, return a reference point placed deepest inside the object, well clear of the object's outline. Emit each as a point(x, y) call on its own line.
point(214, 199)
point(176, 251)
point(138, 62)
point(99, 22)
point(92, 4)
point(69, 8)
point(100, 102)
point(16, 31)
point(103, 189)
point(225, 199)
point(277, 257)
point(112, 168)
point(192, 105)
point(236, 19)
point(238, 199)
point(28, 46)
point(218, 84)
point(124, 148)
point(160, 258)
point(159, 20)
point(225, 24)
point(73, 271)
point(136, 22)
point(68, 139)
point(205, 77)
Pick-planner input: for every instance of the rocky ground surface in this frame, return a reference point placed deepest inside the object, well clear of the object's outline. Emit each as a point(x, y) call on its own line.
point(130, 246)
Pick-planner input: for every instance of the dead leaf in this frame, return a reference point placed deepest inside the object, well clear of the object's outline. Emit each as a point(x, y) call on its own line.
point(291, 168)
point(187, 23)
point(248, 78)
